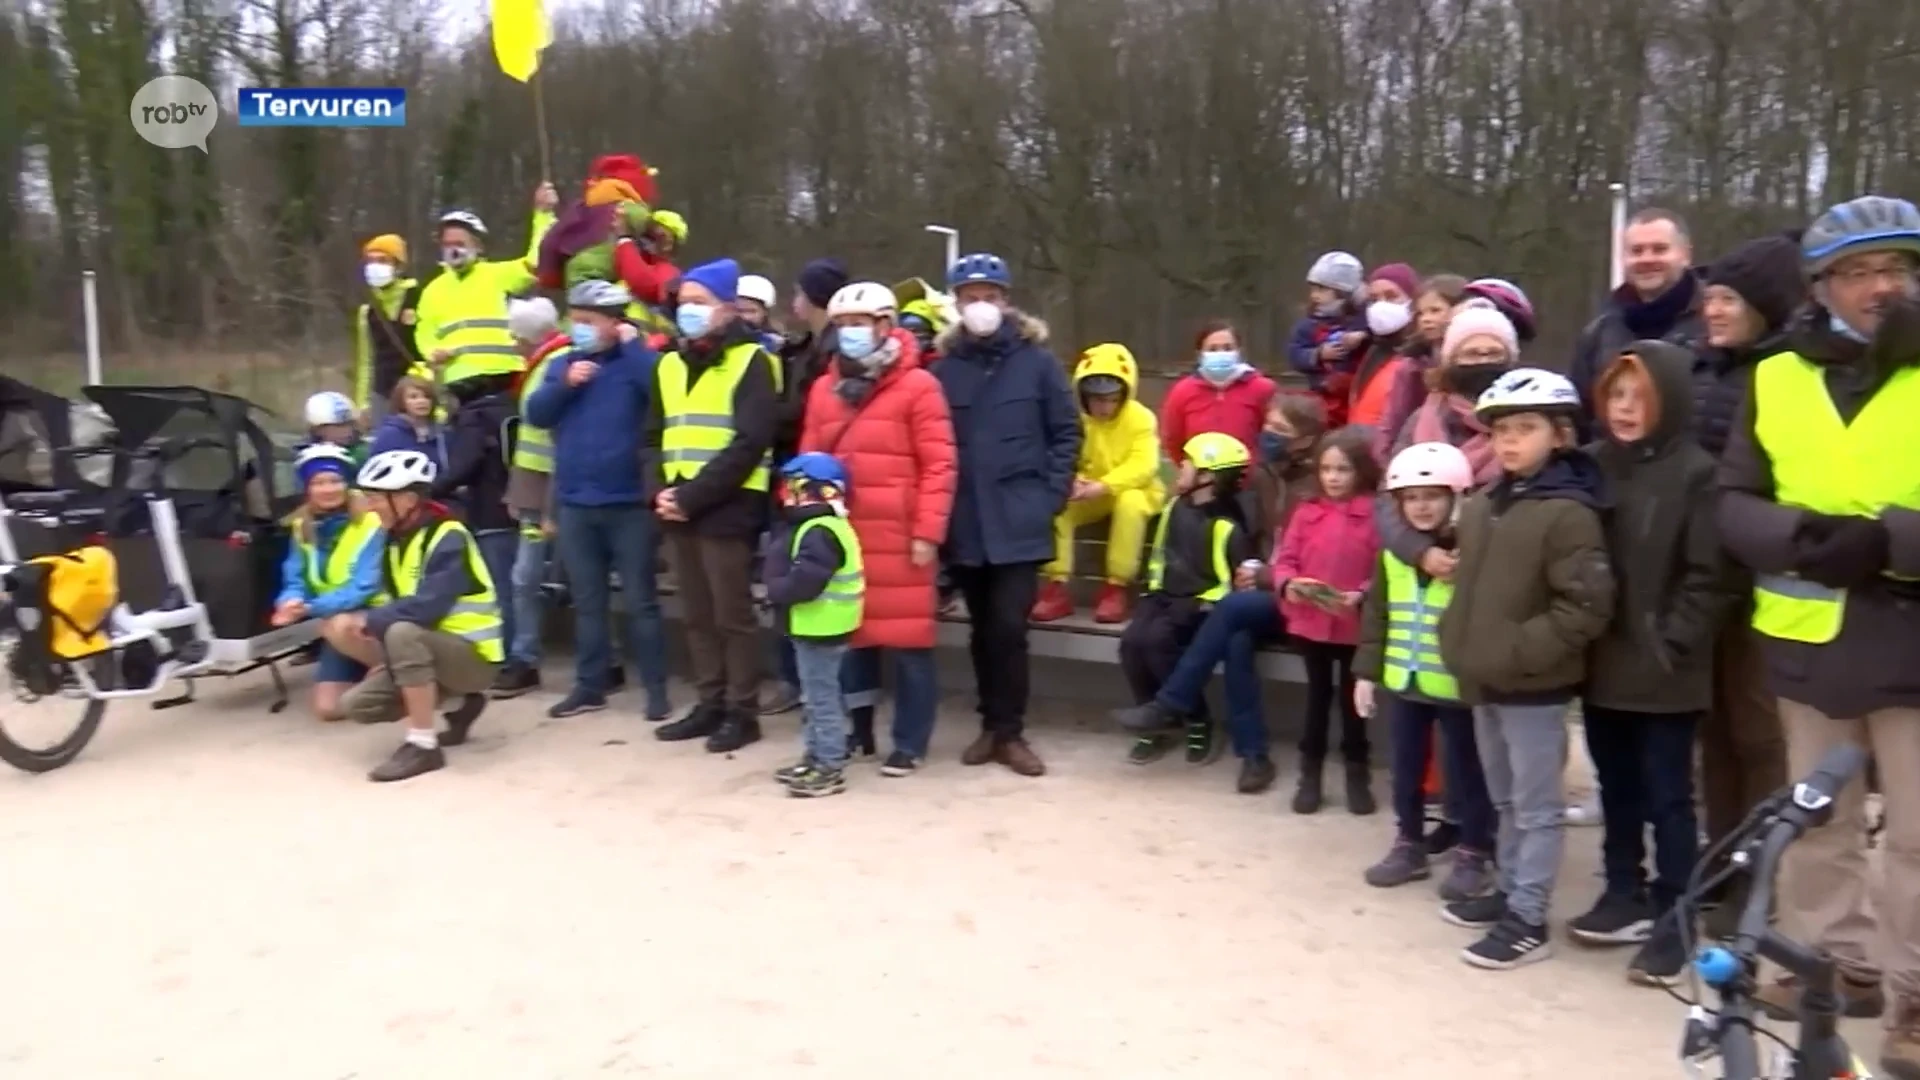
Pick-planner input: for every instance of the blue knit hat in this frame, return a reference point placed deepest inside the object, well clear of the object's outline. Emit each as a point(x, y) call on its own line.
point(720, 277)
point(306, 470)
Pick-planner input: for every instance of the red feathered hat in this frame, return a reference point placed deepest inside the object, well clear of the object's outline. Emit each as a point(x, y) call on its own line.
point(636, 173)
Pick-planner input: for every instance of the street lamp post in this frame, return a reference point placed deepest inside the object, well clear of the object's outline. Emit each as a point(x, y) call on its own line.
point(1617, 270)
point(953, 245)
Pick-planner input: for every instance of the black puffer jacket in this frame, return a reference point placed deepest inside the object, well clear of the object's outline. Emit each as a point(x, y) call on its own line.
point(475, 478)
point(1627, 318)
point(1721, 379)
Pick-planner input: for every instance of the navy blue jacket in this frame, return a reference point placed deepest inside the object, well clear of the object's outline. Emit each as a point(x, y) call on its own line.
point(795, 577)
point(1017, 432)
point(396, 432)
point(597, 425)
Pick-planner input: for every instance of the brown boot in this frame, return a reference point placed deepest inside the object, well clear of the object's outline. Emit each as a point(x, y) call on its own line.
point(980, 751)
point(1015, 754)
point(1900, 1053)
point(1860, 999)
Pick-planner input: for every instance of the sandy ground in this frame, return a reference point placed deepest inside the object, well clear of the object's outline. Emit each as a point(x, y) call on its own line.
point(216, 892)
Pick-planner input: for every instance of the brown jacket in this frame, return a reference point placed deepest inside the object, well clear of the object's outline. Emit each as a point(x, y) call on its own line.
point(1278, 487)
point(1533, 589)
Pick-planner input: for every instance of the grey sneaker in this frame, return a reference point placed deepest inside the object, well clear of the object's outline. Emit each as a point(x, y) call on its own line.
point(1404, 862)
point(1471, 876)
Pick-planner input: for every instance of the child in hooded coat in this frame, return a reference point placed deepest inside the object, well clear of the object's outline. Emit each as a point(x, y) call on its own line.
point(1328, 344)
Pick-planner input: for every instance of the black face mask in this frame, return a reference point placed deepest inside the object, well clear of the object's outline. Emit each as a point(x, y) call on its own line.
point(1472, 380)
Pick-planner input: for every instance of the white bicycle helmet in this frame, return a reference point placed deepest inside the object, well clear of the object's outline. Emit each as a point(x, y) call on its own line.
point(1528, 390)
point(756, 287)
point(329, 407)
point(596, 295)
point(397, 470)
point(1430, 464)
point(466, 219)
point(1339, 271)
point(863, 298)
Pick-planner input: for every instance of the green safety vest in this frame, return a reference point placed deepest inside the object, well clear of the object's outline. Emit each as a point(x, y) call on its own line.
point(836, 611)
point(1412, 653)
point(699, 419)
point(1823, 464)
point(1222, 573)
point(533, 446)
point(475, 616)
point(338, 568)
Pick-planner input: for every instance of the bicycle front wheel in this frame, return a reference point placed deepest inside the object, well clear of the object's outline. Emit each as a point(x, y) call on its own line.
point(41, 733)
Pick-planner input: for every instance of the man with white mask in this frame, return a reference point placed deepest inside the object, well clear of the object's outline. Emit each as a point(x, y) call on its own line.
point(1017, 436)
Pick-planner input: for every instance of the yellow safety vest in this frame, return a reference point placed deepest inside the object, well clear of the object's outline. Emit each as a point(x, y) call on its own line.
point(1222, 573)
point(533, 446)
point(699, 421)
point(338, 569)
point(836, 611)
point(1412, 653)
point(1825, 465)
point(468, 314)
point(476, 616)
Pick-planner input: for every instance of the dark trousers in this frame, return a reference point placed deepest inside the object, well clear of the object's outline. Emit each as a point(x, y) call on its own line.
point(1411, 726)
point(595, 543)
point(1155, 639)
point(1743, 756)
point(1230, 637)
point(998, 600)
point(1644, 762)
point(1330, 687)
point(498, 549)
point(715, 576)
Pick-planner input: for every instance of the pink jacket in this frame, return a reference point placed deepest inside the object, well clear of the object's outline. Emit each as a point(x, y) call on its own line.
point(1332, 541)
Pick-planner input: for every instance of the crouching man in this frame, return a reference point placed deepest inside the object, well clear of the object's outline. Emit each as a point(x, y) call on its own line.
point(435, 633)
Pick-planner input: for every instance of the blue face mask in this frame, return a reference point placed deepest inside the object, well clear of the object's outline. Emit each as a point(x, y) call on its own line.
point(694, 320)
point(1219, 368)
point(585, 338)
point(1840, 327)
point(1273, 447)
point(856, 342)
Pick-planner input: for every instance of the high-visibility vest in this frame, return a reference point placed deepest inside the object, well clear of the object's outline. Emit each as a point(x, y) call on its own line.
point(699, 420)
point(1823, 464)
point(470, 313)
point(1412, 653)
point(476, 616)
point(836, 611)
point(533, 446)
point(1222, 573)
point(338, 568)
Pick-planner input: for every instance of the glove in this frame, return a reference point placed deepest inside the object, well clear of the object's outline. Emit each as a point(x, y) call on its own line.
point(1841, 552)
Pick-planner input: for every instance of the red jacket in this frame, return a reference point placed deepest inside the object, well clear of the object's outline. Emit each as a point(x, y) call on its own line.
point(1194, 406)
point(647, 277)
point(1331, 541)
point(899, 455)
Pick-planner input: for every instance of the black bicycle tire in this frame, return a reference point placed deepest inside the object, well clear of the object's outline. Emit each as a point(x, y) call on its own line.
point(62, 753)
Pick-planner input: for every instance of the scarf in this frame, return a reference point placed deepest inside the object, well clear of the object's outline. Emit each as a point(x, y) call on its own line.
point(1430, 425)
point(1656, 318)
point(856, 387)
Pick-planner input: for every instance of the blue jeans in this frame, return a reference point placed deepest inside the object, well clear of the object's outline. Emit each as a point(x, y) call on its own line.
point(597, 542)
point(916, 692)
point(529, 603)
point(500, 549)
point(1232, 633)
point(1644, 762)
point(1410, 727)
point(824, 725)
point(336, 667)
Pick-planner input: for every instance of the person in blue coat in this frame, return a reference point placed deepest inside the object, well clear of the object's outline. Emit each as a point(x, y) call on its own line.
point(412, 425)
point(1017, 433)
point(332, 566)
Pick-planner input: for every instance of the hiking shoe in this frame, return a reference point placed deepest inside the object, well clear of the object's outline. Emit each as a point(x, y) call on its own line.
point(579, 700)
point(1307, 795)
point(738, 729)
point(1859, 999)
point(407, 762)
point(1112, 605)
point(786, 773)
point(1147, 749)
point(1404, 862)
point(1147, 716)
point(699, 723)
point(1256, 775)
point(1360, 789)
point(900, 763)
point(1202, 747)
point(1511, 943)
point(1444, 838)
point(1662, 959)
point(981, 750)
point(1614, 919)
point(1053, 604)
point(460, 719)
point(1470, 876)
point(1476, 913)
point(1015, 754)
point(514, 679)
point(784, 700)
point(818, 781)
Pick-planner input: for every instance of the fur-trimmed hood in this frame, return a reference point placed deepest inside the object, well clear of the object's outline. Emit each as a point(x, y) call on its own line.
point(1028, 328)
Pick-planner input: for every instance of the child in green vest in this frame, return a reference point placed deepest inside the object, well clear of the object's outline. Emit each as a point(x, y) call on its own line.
point(1399, 661)
point(816, 583)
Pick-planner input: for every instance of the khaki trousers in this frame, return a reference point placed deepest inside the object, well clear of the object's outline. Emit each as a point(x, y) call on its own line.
point(1742, 757)
point(416, 657)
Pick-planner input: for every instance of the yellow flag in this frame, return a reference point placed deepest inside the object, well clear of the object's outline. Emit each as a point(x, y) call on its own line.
point(520, 31)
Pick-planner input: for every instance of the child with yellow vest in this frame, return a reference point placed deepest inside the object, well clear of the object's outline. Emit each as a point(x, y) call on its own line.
point(332, 564)
point(816, 582)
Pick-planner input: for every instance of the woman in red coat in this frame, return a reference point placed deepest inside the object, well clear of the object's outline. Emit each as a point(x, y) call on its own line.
point(886, 419)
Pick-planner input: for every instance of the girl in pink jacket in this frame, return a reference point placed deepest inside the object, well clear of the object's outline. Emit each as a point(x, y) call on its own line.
point(1322, 564)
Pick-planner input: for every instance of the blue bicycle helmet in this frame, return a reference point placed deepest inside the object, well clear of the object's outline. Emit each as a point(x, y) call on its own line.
point(816, 468)
point(1868, 223)
point(981, 267)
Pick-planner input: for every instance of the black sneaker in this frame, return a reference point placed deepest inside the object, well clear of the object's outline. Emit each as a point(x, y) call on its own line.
point(786, 773)
point(1662, 959)
point(1511, 943)
point(407, 762)
point(1477, 913)
point(1256, 775)
point(1151, 716)
point(461, 717)
point(900, 763)
point(580, 700)
point(1202, 747)
point(1444, 838)
point(700, 722)
point(738, 729)
point(514, 680)
point(1148, 749)
point(817, 782)
point(1614, 919)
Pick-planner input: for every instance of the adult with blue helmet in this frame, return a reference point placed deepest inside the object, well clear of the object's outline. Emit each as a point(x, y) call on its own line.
point(1821, 499)
point(1017, 436)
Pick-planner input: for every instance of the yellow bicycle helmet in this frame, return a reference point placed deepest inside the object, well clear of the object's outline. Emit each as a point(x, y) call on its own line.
point(674, 224)
point(1214, 451)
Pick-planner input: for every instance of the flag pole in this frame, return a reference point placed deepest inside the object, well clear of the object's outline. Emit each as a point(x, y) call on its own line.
point(540, 127)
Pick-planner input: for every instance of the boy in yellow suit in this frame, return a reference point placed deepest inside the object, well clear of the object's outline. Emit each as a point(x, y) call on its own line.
point(1118, 477)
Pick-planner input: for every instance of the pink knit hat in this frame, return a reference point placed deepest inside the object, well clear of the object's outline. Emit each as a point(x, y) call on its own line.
point(1479, 319)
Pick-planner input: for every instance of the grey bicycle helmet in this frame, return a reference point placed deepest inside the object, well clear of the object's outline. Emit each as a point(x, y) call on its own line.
point(1868, 223)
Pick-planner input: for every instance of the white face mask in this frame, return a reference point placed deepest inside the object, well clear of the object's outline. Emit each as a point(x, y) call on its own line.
point(1384, 317)
point(981, 318)
point(379, 275)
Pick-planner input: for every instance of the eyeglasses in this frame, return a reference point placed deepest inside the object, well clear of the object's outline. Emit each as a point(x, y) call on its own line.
point(1898, 274)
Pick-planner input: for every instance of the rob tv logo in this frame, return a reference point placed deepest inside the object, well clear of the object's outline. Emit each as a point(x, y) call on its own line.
point(322, 106)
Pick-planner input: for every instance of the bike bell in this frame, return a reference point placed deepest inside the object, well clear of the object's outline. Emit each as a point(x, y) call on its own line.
point(1717, 966)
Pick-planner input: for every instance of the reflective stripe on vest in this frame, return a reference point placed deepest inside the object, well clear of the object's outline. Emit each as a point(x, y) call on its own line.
point(346, 552)
point(475, 617)
point(699, 420)
point(473, 327)
point(1222, 573)
point(1412, 652)
point(533, 446)
point(836, 611)
point(1823, 464)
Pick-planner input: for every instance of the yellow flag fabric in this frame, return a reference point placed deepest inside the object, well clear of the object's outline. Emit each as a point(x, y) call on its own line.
point(520, 31)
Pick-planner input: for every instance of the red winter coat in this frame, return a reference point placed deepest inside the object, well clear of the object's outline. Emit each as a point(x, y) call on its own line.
point(1330, 541)
point(1193, 406)
point(898, 452)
